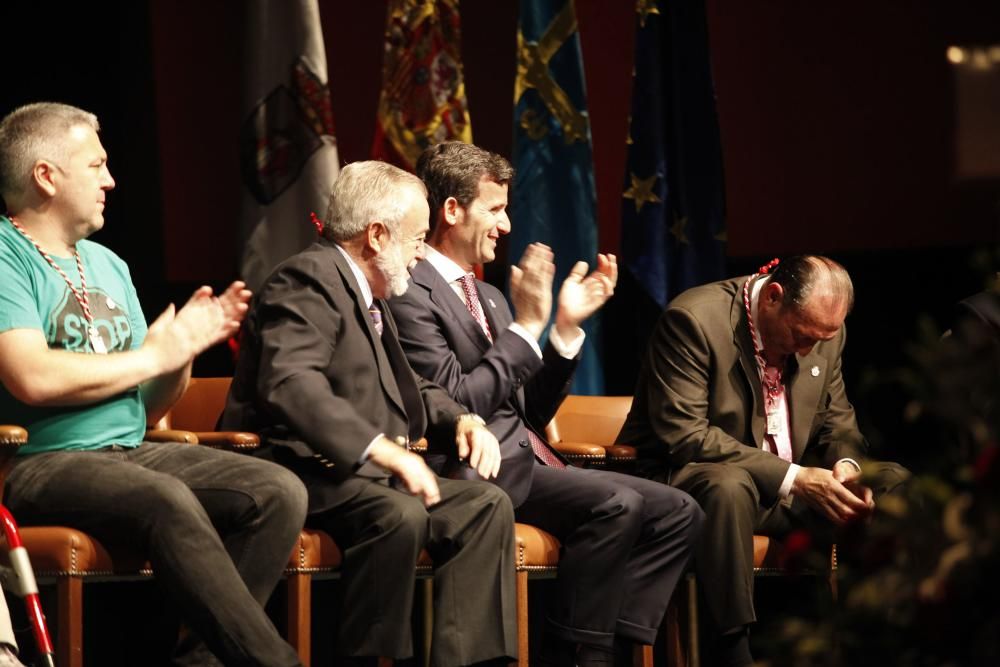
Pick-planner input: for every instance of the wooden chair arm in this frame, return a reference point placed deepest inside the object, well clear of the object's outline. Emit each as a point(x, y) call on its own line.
point(621, 452)
point(170, 435)
point(11, 439)
point(12, 436)
point(234, 441)
point(580, 449)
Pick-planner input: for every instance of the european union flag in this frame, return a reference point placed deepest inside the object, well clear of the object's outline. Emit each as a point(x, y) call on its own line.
point(673, 206)
point(552, 199)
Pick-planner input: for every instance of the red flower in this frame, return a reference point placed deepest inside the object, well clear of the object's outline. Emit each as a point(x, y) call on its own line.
point(797, 546)
point(986, 463)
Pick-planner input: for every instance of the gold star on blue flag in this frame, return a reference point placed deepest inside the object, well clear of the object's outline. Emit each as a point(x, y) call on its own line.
point(673, 210)
point(644, 8)
point(641, 191)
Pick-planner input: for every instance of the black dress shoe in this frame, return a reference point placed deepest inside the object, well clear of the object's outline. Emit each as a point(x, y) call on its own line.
point(357, 661)
point(557, 652)
point(730, 650)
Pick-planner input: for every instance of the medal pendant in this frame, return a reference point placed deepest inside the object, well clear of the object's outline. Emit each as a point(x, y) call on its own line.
point(96, 342)
point(773, 423)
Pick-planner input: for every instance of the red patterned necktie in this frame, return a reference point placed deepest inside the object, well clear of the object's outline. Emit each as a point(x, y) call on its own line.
point(543, 452)
point(774, 393)
point(472, 303)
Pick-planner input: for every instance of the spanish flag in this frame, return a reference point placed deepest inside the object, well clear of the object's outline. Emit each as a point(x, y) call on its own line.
point(423, 92)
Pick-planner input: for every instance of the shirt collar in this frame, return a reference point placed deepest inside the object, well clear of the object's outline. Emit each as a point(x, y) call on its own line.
point(366, 289)
point(447, 267)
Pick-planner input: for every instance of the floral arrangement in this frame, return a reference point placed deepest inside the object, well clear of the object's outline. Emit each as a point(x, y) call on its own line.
point(920, 585)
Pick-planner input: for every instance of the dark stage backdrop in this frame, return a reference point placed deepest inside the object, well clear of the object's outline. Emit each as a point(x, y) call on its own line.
point(837, 126)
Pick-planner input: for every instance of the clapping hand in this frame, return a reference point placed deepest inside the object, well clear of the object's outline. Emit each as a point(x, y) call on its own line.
point(582, 295)
point(531, 288)
point(177, 336)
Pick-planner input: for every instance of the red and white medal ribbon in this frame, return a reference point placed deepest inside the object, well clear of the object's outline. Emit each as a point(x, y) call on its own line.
point(770, 376)
point(93, 335)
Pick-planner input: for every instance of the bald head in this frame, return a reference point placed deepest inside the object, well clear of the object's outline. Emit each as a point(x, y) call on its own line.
point(804, 278)
point(804, 302)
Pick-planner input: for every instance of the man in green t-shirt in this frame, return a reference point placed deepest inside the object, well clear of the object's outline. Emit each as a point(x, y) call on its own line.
point(81, 371)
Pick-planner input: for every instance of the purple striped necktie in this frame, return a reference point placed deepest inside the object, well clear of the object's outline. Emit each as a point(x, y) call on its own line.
point(376, 316)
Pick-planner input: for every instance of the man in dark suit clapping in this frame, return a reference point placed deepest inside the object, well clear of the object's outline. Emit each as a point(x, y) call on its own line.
point(625, 540)
point(323, 379)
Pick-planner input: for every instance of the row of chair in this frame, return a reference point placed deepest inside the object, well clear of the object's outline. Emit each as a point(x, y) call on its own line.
point(583, 430)
point(68, 557)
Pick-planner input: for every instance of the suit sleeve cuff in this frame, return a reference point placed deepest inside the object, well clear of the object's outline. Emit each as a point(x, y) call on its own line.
point(786, 484)
point(857, 466)
point(567, 349)
point(363, 459)
point(523, 333)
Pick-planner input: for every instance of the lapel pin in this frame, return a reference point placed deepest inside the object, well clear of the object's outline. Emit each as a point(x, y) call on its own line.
point(814, 371)
point(492, 305)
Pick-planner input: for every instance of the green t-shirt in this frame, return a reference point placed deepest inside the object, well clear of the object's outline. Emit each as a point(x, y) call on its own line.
point(34, 296)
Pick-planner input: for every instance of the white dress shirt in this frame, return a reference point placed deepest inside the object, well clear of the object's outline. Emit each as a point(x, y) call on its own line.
point(452, 274)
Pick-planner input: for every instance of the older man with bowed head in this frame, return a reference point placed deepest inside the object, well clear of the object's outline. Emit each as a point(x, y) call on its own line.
point(323, 379)
point(741, 403)
point(83, 373)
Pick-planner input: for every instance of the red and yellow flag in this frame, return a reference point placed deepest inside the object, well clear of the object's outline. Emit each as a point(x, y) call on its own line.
point(423, 92)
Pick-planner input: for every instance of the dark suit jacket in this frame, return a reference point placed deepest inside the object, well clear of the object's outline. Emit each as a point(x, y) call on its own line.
point(314, 378)
point(699, 397)
point(505, 381)
point(978, 316)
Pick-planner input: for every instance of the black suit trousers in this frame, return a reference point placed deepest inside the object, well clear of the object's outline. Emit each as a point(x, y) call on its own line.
point(469, 535)
point(626, 542)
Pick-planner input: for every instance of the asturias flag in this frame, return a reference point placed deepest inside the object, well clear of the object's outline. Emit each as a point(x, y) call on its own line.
point(553, 198)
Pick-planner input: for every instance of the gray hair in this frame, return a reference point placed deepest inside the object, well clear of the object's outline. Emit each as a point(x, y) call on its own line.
point(363, 193)
point(800, 275)
point(36, 132)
